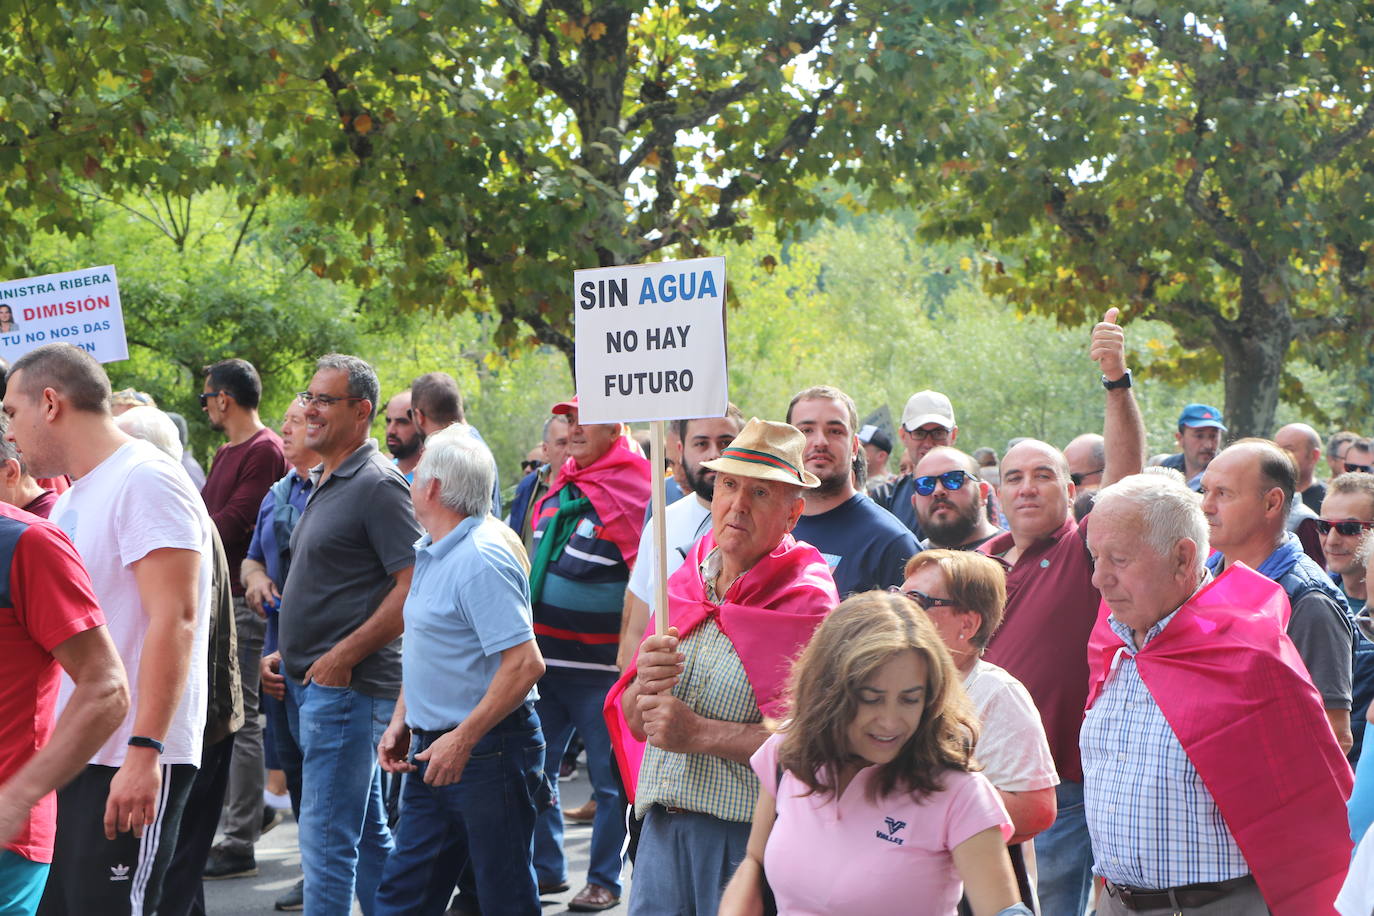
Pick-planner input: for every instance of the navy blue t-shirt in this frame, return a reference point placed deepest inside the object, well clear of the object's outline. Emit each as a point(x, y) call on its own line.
point(865, 545)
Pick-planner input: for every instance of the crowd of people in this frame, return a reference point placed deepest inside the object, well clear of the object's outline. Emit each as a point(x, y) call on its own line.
point(1060, 681)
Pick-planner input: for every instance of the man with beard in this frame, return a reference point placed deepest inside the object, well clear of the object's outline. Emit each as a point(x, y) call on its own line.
point(403, 438)
point(951, 501)
point(686, 520)
point(927, 423)
point(864, 544)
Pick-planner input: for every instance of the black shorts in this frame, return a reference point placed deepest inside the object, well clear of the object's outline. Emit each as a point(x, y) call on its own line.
point(93, 876)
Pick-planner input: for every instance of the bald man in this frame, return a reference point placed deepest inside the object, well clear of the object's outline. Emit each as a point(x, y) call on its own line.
point(1302, 442)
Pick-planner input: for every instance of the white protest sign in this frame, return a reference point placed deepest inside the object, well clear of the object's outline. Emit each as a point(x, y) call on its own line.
point(650, 341)
point(79, 307)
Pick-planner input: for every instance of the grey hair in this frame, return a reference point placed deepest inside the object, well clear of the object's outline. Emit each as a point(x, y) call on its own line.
point(550, 421)
point(1168, 510)
point(8, 450)
point(362, 378)
point(152, 425)
point(464, 467)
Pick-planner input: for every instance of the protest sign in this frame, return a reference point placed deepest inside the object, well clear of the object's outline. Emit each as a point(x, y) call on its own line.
point(79, 307)
point(650, 341)
point(650, 345)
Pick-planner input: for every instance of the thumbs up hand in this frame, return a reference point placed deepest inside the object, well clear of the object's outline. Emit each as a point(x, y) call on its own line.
point(1108, 347)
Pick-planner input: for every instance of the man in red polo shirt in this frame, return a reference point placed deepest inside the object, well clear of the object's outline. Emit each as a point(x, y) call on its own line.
point(1052, 607)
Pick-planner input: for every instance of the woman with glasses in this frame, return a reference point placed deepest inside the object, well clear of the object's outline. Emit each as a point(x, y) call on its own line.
point(870, 802)
point(963, 594)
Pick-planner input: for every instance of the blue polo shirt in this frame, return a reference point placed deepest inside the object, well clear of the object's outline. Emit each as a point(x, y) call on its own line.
point(469, 601)
point(268, 545)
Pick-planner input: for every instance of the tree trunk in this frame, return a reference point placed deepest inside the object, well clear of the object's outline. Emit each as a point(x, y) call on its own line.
point(1252, 367)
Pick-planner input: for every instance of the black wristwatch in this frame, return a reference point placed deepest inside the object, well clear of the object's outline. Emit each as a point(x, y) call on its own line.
point(142, 741)
point(1123, 382)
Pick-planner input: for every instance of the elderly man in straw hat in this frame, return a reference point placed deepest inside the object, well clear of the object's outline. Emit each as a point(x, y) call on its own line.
point(689, 712)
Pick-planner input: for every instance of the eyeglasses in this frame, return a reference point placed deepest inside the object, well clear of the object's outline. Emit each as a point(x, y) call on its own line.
point(950, 480)
point(1079, 478)
point(925, 601)
point(324, 400)
point(1346, 528)
point(1358, 468)
point(939, 434)
point(205, 396)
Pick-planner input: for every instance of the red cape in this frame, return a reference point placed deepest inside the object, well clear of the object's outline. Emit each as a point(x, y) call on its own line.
point(617, 483)
point(1239, 698)
point(768, 615)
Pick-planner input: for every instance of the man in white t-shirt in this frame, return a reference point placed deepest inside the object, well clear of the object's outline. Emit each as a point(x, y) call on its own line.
point(685, 520)
point(143, 533)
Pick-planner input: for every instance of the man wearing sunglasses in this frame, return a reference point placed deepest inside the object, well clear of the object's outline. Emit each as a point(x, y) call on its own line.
point(1346, 526)
point(1052, 606)
point(864, 544)
point(927, 423)
point(951, 501)
point(1359, 458)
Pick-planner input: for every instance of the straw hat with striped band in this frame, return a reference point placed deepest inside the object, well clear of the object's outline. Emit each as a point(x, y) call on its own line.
point(766, 451)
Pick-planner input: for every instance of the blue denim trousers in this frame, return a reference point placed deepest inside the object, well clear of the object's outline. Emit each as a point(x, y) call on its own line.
point(568, 700)
point(485, 820)
point(1064, 856)
point(343, 834)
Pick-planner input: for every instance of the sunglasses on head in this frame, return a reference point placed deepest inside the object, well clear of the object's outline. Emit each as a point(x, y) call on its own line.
point(1346, 528)
point(925, 601)
point(1358, 468)
point(950, 480)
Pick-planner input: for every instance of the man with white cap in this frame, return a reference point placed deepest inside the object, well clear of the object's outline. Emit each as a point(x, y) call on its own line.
point(746, 600)
point(927, 421)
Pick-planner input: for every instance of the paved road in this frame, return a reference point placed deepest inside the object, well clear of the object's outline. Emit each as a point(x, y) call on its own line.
point(279, 865)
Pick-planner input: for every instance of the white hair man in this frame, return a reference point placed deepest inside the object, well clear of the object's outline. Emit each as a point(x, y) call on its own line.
point(1196, 807)
point(464, 729)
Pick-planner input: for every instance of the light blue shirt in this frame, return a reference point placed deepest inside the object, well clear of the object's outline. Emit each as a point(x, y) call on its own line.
point(469, 601)
point(1153, 822)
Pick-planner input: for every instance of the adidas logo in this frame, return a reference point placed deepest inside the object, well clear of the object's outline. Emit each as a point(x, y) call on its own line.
point(119, 873)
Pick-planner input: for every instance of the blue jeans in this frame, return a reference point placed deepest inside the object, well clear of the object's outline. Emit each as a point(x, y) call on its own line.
point(1064, 856)
point(343, 834)
point(684, 861)
point(568, 700)
point(485, 820)
point(279, 746)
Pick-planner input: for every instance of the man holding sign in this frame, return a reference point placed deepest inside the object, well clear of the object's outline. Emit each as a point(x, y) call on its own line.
point(586, 535)
point(744, 603)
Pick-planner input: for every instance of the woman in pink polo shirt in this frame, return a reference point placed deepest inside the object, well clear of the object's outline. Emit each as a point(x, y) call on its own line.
point(869, 803)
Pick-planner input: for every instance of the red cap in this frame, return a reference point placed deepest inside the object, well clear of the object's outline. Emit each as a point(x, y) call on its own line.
point(565, 407)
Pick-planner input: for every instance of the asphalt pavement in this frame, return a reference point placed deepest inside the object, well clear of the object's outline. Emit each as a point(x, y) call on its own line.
point(279, 866)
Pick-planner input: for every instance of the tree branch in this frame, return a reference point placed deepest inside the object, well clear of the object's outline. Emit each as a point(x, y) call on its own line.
point(1327, 150)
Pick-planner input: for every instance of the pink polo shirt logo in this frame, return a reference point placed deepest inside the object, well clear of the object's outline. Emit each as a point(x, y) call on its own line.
point(893, 826)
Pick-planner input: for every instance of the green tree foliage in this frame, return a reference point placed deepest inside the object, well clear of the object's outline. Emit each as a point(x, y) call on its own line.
point(480, 150)
point(1206, 164)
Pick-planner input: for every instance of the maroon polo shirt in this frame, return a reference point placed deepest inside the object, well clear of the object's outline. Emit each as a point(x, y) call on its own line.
point(1043, 641)
point(238, 480)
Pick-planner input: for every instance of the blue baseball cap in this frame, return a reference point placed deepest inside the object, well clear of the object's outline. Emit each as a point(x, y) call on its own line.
point(1195, 416)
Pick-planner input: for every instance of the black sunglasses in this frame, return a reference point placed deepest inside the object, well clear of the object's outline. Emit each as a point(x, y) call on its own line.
point(205, 396)
point(1358, 468)
point(1078, 478)
point(925, 601)
point(950, 480)
point(528, 465)
point(1347, 528)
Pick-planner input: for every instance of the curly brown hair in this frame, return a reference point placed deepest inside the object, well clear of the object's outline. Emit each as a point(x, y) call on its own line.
point(856, 639)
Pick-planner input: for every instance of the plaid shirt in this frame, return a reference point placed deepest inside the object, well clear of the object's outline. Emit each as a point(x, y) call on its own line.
point(1153, 823)
point(714, 685)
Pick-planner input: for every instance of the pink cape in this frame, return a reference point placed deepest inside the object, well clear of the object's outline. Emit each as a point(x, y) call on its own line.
point(1239, 698)
point(768, 615)
point(617, 483)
